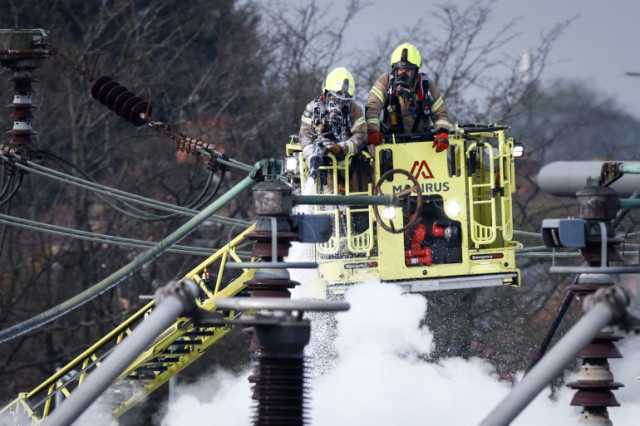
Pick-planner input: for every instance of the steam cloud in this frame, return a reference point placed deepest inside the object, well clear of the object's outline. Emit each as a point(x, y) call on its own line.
point(380, 377)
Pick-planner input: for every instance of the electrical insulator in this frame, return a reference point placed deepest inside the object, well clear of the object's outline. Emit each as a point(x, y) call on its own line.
point(117, 98)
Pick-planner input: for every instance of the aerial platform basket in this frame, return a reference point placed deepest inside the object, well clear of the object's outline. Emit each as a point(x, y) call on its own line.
point(455, 231)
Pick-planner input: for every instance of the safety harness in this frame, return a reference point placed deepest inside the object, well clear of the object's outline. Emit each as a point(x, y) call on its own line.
point(420, 106)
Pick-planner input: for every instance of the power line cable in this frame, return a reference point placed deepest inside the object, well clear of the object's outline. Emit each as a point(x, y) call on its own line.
point(124, 272)
point(65, 178)
point(131, 210)
point(97, 237)
point(139, 213)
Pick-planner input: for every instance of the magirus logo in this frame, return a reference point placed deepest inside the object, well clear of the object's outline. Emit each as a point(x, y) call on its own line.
point(427, 188)
point(421, 170)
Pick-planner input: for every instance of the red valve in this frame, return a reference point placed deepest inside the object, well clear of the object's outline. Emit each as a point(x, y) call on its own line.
point(437, 231)
point(423, 261)
point(419, 235)
point(419, 252)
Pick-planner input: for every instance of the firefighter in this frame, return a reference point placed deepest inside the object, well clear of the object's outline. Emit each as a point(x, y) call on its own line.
point(333, 122)
point(408, 100)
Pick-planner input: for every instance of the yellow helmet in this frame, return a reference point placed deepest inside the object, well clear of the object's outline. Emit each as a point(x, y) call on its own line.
point(340, 80)
point(411, 56)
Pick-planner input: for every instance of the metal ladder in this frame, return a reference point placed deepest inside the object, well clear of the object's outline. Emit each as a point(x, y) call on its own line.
point(361, 243)
point(332, 246)
point(507, 183)
point(178, 347)
point(482, 233)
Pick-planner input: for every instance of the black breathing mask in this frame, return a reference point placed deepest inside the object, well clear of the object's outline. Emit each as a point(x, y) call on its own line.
point(404, 79)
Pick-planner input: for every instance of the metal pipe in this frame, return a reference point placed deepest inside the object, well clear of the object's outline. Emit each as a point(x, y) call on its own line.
point(562, 354)
point(631, 269)
point(554, 179)
point(564, 307)
point(180, 299)
point(604, 255)
point(271, 265)
point(630, 203)
point(630, 168)
point(622, 213)
point(121, 274)
point(345, 200)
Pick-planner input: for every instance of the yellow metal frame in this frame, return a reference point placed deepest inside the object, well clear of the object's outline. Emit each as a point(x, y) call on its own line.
point(507, 182)
point(360, 244)
point(363, 242)
point(480, 192)
point(193, 338)
point(485, 199)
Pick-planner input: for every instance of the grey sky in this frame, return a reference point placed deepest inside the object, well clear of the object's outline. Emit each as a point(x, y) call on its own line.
point(598, 47)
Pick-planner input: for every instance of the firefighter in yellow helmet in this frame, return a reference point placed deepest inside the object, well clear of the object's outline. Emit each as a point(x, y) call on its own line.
point(333, 122)
point(406, 101)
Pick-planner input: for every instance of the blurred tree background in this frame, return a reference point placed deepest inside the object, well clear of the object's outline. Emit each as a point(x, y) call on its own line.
point(238, 74)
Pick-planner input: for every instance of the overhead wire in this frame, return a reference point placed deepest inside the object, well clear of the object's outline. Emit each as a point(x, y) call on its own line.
point(5, 181)
point(97, 237)
point(11, 183)
point(41, 170)
point(117, 277)
point(103, 190)
point(205, 188)
point(3, 232)
point(12, 192)
point(139, 213)
point(555, 324)
point(215, 191)
point(130, 210)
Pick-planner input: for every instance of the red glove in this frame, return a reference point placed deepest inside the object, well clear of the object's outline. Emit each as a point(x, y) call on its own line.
point(441, 141)
point(375, 138)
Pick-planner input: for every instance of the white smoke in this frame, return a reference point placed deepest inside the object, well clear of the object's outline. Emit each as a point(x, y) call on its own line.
point(223, 399)
point(380, 377)
point(312, 286)
point(371, 369)
point(17, 418)
point(100, 412)
point(627, 371)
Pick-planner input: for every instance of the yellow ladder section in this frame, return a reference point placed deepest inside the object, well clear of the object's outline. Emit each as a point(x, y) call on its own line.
point(507, 182)
point(178, 346)
point(332, 246)
point(481, 195)
point(360, 243)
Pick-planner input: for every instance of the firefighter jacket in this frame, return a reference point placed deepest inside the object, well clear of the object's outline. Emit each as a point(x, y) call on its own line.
point(426, 107)
point(350, 133)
